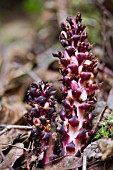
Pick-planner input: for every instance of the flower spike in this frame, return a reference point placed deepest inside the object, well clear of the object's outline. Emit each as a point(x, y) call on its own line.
point(78, 66)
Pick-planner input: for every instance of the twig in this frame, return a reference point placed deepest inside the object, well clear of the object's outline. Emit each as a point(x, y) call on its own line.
point(31, 73)
point(99, 118)
point(16, 146)
point(5, 160)
point(84, 162)
point(8, 127)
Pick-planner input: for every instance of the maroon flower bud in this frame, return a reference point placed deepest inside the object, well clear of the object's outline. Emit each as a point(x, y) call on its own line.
point(43, 120)
point(63, 26)
point(75, 38)
point(46, 136)
point(64, 43)
point(63, 115)
point(70, 148)
point(81, 135)
point(69, 19)
point(64, 61)
point(78, 154)
point(66, 104)
point(66, 79)
point(85, 76)
point(35, 112)
point(85, 106)
point(74, 121)
point(70, 49)
point(41, 99)
point(81, 57)
point(74, 68)
point(59, 54)
point(76, 92)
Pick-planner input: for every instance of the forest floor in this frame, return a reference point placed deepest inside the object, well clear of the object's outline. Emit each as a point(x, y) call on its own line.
point(26, 45)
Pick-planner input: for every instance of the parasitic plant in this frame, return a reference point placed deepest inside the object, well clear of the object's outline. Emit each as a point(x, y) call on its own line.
point(42, 118)
point(78, 67)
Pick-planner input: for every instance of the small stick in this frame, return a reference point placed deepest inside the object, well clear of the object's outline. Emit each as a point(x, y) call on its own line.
point(31, 73)
point(16, 146)
point(84, 162)
point(99, 118)
point(8, 127)
point(5, 160)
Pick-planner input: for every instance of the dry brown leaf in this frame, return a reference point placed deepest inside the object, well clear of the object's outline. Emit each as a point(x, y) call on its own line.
point(102, 165)
point(92, 151)
point(98, 153)
point(68, 162)
point(10, 114)
point(8, 138)
point(30, 160)
point(15, 153)
point(5, 141)
point(96, 168)
point(106, 147)
point(9, 73)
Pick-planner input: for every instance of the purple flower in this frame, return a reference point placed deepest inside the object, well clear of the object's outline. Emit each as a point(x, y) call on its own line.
point(78, 66)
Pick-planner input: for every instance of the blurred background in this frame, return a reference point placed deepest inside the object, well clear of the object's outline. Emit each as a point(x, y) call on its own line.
point(29, 31)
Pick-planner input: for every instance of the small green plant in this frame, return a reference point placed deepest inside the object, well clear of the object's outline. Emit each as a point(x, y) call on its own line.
point(102, 132)
point(106, 128)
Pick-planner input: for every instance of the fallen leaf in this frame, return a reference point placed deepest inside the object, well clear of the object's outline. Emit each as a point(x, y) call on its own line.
point(96, 168)
point(31, 160)
point(68, 162)
point(10, 114)
point(15, 153)
point(5, 141)
point(92, 151)
point(106, 147)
